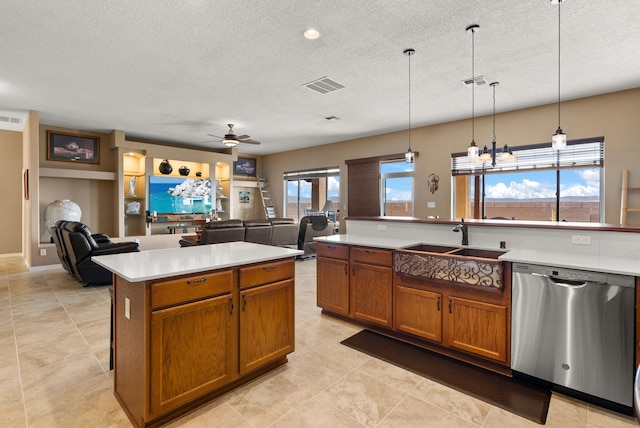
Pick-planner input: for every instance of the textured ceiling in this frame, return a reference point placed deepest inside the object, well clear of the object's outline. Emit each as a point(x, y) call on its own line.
point(176, 71)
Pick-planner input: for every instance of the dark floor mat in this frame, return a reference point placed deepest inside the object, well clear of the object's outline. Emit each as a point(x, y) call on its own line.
point(528, 401)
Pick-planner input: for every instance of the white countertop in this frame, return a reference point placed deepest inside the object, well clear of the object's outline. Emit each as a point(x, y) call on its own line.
point(590, 262)
point(369, 241)
point(595, 263)
point(154, 264)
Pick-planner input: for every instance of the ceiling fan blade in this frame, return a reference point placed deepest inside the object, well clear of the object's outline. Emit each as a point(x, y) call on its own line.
point(249, 141)
point(241, 137)
point(217, 136)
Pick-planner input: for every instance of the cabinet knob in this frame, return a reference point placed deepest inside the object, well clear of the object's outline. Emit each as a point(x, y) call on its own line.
point(273, 266)
point(438, 303)
point(195, 281)
point(230, 305)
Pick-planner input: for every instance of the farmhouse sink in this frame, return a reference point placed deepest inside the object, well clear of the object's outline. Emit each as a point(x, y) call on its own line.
point(455, 265)
point(433, 248)
point(474, 252)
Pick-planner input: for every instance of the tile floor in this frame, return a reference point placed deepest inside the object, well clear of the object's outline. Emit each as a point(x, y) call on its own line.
point(54, 372)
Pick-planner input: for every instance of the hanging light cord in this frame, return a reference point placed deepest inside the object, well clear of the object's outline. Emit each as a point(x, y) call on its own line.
point(493, 85)
point(473, 84)
point(409, 55)
point(559, 2)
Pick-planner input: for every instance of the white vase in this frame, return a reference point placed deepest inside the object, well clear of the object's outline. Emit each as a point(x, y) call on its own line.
point(61, 209)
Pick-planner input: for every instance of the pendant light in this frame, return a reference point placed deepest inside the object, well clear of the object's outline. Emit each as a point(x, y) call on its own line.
point(409, 156)
point(506, 154)
point(472, 150)
point(559, 139)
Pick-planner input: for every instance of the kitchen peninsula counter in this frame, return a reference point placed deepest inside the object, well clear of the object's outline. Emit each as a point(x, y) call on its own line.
point(192, 323)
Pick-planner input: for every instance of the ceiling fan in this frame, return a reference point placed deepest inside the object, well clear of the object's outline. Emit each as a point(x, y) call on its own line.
point(231, 140)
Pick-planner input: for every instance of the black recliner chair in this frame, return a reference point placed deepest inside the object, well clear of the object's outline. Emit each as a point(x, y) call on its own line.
point(80, 246)
point(56, 236)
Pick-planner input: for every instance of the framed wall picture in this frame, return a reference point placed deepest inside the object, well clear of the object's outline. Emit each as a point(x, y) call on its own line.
point(25, 179)
point(245, 166)
point(73, 147)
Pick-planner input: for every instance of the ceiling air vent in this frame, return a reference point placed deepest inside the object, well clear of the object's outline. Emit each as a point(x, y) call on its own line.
point(479, 81)
point(324, 85)
point(12, 120)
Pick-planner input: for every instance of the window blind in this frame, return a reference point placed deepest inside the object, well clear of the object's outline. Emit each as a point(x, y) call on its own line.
point(315, 173)
point(578, 154)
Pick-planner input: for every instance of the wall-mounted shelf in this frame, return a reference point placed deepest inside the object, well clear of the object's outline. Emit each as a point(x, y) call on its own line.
point(78, 173)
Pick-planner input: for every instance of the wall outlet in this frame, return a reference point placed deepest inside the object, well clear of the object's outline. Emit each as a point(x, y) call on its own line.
point(382, 227)
point(581, 239)
point(43, 251)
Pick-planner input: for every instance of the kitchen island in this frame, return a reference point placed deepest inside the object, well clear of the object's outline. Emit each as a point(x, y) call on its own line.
point(192, 323)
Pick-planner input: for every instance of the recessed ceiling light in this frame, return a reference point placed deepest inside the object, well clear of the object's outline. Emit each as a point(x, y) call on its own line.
point(311, 34)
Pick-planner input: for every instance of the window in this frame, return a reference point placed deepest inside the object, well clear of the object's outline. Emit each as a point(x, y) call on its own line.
point(542, 184)
point(396, 188)
point(307, 192)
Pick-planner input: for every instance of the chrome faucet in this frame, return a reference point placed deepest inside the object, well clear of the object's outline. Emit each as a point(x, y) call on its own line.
point(465, 232)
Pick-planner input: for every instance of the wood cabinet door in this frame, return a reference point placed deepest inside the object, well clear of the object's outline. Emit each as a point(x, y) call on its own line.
point(332, 285)
point(477, 327)
point(266, 324)
point(371, 294)
point(193, 351)
point(418, 312)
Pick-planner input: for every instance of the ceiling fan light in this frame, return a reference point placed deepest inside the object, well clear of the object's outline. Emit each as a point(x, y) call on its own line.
point(230, 143)
point(559, 140)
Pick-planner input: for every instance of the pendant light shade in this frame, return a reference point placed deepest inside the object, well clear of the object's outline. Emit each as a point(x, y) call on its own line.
point(409, 156)
point(472, 150)
point(559, 139)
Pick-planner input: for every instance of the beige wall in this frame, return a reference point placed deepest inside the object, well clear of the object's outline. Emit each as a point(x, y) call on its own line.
point(614, 116)
point(11, 191)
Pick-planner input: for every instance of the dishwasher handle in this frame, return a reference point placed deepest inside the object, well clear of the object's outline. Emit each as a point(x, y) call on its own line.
point(563, 282)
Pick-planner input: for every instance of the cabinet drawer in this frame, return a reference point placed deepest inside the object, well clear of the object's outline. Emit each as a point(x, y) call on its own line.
point(374, 256)
point(191, 288)
point(332, 250)
point(266, 273)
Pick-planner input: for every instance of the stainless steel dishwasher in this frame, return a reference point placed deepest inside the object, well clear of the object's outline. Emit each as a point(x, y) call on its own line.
point(574, 328)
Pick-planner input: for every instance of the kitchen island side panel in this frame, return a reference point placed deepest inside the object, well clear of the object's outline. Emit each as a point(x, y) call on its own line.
point(131, 324)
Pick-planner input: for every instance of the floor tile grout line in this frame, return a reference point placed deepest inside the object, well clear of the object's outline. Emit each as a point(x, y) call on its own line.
point(18, 367)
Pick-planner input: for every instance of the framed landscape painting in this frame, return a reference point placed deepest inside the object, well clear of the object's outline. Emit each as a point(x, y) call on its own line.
point(73, 147)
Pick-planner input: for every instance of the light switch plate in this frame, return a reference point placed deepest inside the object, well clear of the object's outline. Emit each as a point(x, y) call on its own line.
point(382, 227)
point(431, 204)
